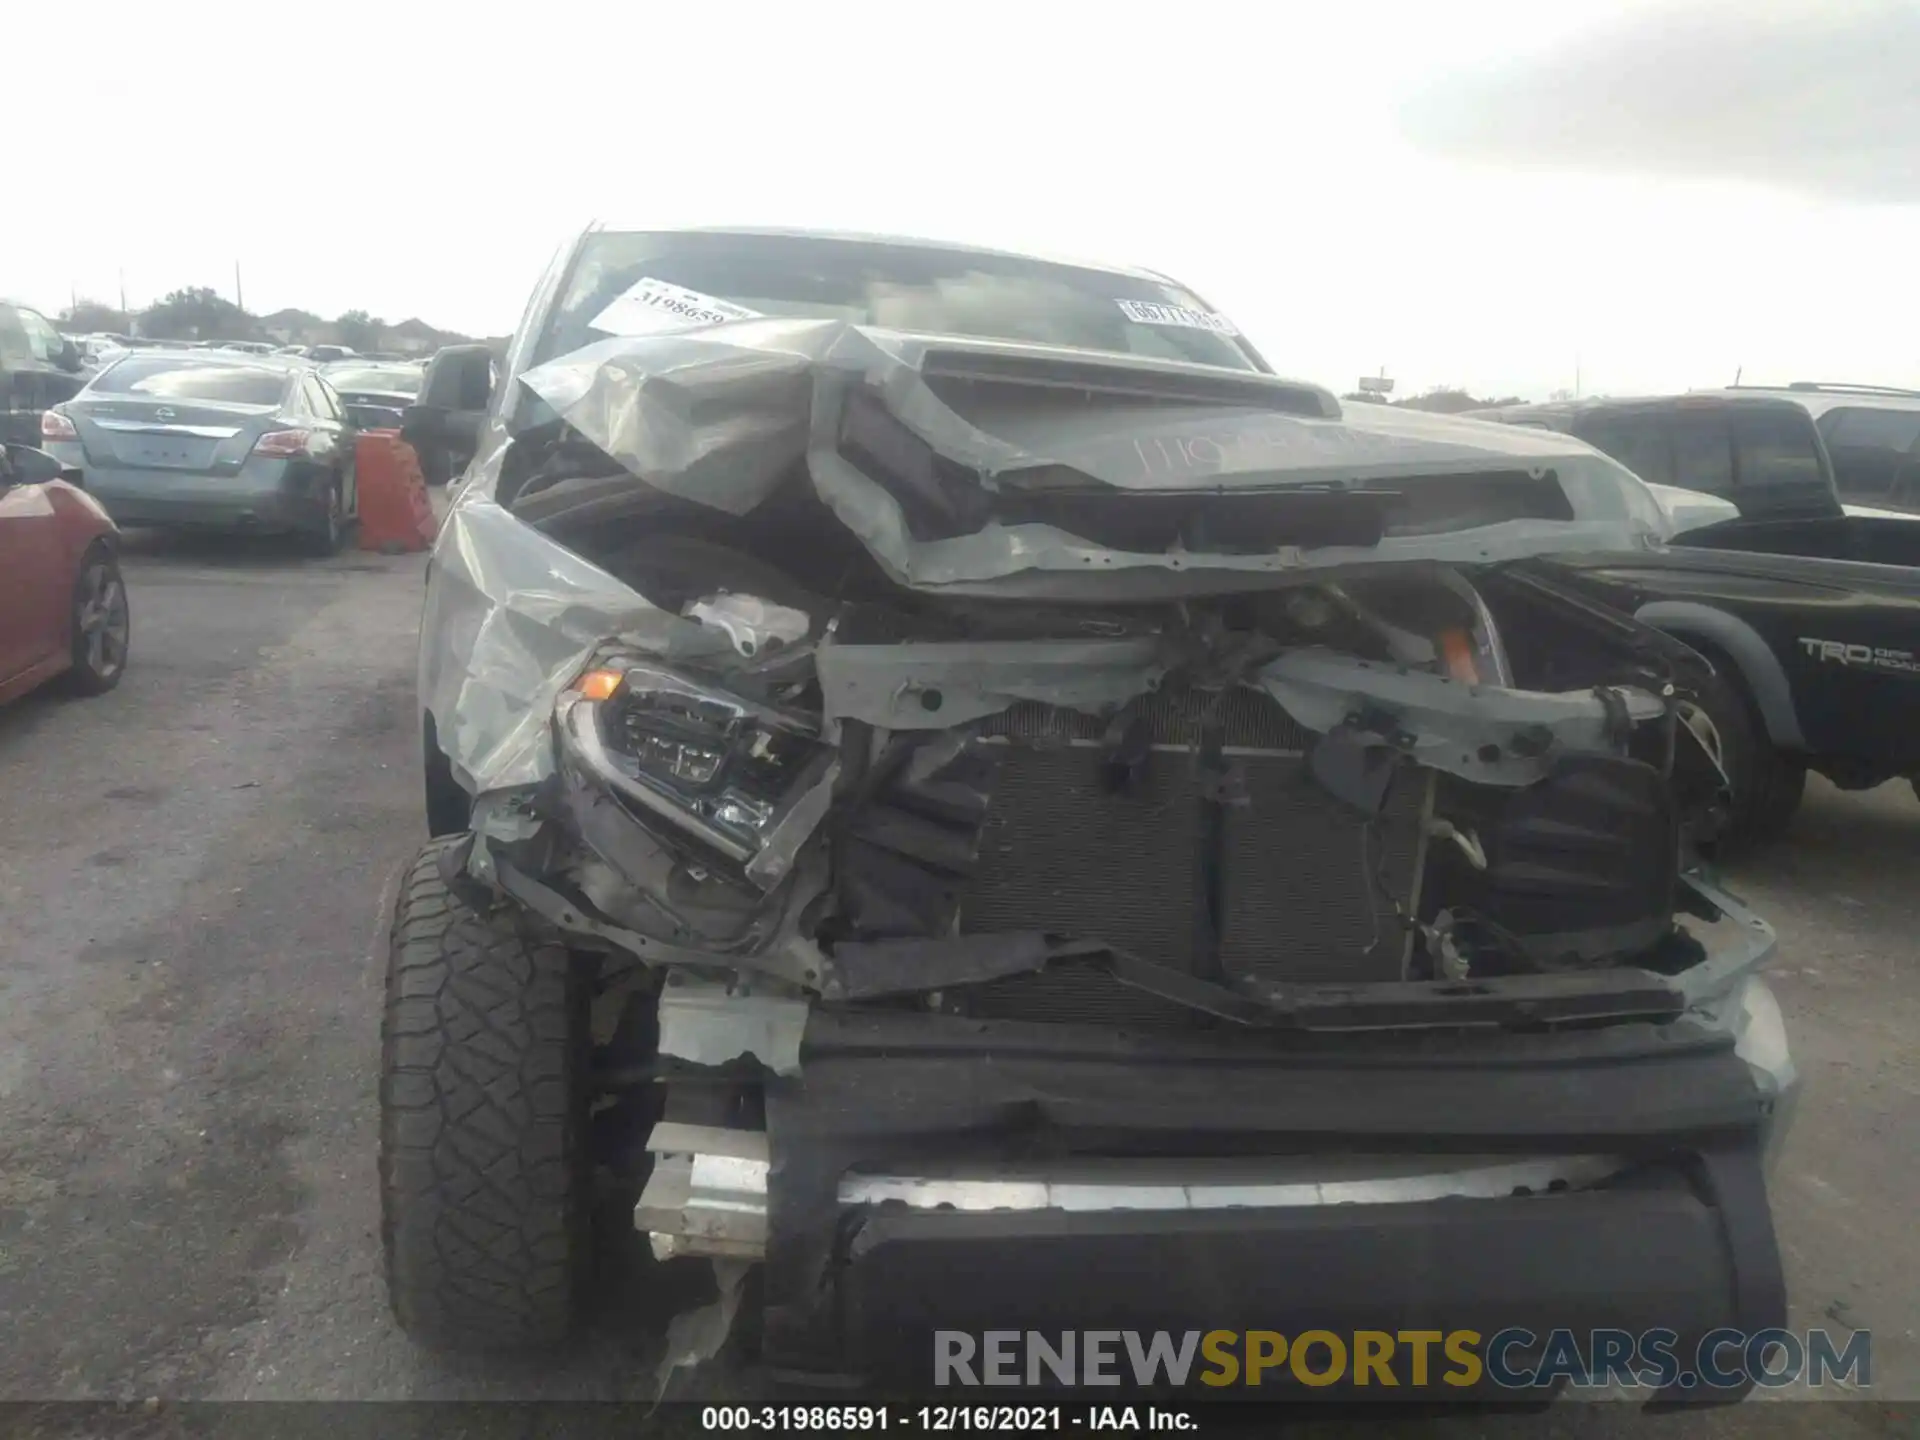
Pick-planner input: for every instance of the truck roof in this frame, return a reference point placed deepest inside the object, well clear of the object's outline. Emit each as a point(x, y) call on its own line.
point(1552, 413)
point(1818, 397)
point(866, 238)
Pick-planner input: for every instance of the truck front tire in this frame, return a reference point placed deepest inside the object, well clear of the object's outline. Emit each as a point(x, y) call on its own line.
point(484, 1179)
point(1767, 785)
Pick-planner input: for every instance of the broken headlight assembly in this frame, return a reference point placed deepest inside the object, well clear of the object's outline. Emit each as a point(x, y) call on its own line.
point(744, 783)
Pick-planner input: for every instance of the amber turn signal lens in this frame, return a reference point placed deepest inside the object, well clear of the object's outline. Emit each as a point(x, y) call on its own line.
point(1457, 646)
point(599, 684)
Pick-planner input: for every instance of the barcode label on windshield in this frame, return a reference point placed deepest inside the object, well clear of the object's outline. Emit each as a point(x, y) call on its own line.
point(648, 306)
point(1149, 312)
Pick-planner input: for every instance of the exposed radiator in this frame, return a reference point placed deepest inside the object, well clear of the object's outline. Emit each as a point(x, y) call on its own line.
point(1062, 851)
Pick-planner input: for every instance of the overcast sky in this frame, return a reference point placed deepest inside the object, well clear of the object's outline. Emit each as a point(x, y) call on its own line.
point(1486, 193)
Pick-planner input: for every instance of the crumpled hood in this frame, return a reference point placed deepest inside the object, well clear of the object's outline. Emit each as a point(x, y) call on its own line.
point(959, 435)
point(721, 415)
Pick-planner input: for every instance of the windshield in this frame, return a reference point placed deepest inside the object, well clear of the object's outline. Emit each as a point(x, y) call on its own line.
point(897, 286)
point(175, 377)
point(376, 380)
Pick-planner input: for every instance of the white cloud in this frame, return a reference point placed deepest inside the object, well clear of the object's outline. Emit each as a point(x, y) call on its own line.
point(423, 159)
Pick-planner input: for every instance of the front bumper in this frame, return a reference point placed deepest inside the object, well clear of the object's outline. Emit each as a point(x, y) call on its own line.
point(1638, 1151)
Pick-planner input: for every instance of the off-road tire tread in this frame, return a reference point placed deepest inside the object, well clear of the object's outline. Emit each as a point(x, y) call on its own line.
point(483, 1178)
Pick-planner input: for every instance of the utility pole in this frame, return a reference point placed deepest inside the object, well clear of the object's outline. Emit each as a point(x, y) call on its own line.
point(239, 299)
point(123, 292)
point(1576, 375)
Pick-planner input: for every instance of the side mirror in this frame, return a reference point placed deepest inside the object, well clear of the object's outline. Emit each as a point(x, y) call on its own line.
point(28, 466)
point(445, 424)
point(459, 377)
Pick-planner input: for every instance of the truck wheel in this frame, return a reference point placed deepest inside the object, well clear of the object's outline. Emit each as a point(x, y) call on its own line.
point(485, 1182)
point(1766, 784)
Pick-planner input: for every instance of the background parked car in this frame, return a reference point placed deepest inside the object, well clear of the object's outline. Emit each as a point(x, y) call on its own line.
point(212, 439)
point(63, 605)
point(38, 367)
point(375, 396)
point(98, 351)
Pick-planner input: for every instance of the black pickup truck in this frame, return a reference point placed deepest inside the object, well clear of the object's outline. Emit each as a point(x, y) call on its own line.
point(38, 369)
point(1808, 610)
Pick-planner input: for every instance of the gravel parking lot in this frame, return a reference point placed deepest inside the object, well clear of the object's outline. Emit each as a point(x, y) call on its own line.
point(194, 870)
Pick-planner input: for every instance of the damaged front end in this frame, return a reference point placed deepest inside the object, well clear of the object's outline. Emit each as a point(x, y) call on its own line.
point(1005, 865)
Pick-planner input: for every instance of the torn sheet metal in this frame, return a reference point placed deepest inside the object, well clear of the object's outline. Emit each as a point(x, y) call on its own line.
point(933, 687)
point(724, 414)
point(707, 1194)
point(1484, 733)
point(696, 1336)
point(705, 1022)
point(1478, 732)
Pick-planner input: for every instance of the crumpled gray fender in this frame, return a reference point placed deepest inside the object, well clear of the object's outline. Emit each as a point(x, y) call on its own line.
point(511, 619)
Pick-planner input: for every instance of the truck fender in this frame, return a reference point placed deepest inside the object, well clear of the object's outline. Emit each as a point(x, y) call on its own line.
point(1760, 669)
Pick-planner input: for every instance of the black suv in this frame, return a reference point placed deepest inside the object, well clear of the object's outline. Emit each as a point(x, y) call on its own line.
point(39, 367)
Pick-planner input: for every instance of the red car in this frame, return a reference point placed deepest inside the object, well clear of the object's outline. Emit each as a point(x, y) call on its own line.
point(63, 605)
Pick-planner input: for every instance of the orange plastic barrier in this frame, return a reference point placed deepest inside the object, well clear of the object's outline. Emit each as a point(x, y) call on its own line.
point(395, 514)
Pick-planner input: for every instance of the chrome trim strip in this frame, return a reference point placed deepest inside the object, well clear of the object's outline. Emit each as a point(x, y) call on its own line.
point(1495, 1180)
point(146, 427)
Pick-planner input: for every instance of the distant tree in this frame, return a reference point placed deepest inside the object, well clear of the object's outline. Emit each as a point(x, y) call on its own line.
point(197, 313)
point(1446, 400)
point(1363, 396)
point(91, 317)
point(359, 330)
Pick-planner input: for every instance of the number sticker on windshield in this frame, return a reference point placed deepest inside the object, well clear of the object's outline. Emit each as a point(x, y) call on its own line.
point(1149, 312)
point(650, 306)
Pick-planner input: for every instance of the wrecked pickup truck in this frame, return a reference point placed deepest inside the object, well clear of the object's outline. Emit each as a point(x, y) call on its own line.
point(964, 800)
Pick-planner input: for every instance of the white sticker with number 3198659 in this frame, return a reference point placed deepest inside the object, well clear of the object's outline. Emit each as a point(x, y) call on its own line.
point(649, 306)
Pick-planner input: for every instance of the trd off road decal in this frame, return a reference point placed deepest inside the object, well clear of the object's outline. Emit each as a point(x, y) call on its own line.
point(1861, 657)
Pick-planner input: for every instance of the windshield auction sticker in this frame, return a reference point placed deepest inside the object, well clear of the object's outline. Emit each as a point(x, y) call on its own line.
point(649, 306)
point(1150, 312)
